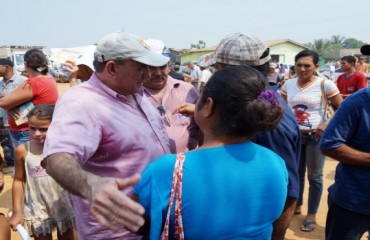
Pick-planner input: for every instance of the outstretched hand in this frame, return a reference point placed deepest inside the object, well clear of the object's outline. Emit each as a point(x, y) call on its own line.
point(111, 207)
point(72, 68)
point(186, 109)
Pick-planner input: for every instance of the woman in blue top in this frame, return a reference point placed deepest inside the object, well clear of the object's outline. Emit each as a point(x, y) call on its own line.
point(231, 187)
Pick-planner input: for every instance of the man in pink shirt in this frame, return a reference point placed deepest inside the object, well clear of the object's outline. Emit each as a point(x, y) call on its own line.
point(103, 133)
point(166, 94)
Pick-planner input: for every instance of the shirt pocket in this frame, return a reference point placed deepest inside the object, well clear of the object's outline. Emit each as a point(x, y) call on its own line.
point(180, 119)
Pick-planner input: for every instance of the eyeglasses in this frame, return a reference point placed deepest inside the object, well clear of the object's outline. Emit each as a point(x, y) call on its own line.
point(162, 112)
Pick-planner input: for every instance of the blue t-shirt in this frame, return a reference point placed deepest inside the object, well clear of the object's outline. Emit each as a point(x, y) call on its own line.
point(285, 140)
point(229, 192)
point(351, 126)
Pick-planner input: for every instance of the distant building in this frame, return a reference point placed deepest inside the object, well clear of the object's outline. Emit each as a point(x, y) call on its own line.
point(284, 50)
point(188, 55)
point(281, 51)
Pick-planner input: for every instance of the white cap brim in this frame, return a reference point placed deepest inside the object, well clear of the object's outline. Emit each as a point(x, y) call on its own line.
point(153, 59)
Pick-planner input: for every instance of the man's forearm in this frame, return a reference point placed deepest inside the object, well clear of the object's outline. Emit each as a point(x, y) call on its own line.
point(347, 155)
point(282, 223)
point(108, 202)
point(66, 170)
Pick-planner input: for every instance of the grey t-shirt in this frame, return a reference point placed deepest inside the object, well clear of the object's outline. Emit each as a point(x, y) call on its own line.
point(6, 88)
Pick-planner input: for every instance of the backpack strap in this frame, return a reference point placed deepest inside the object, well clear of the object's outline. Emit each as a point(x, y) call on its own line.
point(323, 97)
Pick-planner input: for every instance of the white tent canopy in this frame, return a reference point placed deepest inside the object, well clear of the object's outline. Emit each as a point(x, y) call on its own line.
point(82, 55)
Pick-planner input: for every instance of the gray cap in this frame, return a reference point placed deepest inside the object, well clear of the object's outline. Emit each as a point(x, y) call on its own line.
point(122, 46)
point(240, 49)
point(6, 62)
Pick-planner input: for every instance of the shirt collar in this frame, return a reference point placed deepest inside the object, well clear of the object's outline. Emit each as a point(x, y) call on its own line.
point(10, 79)
point(96, 82)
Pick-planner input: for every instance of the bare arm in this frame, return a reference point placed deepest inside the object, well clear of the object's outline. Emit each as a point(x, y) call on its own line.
point(18, 187)
point(284, 97)
point(108, 204)
point(282, 223)
point(336, 101)
point(347, 155)
point(20, 95)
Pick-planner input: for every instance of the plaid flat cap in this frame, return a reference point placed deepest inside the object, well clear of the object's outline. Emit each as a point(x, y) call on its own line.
point(240, 49)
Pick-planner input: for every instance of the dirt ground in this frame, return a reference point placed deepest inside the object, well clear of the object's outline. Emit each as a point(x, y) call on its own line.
point(293, 233)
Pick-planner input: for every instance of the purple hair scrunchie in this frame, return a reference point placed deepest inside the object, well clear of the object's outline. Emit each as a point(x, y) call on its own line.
point(270, 96)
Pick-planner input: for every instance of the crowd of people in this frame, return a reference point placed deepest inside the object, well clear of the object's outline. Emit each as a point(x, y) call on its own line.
point(137, 149)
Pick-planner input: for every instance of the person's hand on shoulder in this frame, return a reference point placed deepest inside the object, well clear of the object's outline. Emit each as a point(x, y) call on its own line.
point(111, 207)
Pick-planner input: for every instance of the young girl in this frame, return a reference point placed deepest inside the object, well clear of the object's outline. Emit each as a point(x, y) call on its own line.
point(46, 204)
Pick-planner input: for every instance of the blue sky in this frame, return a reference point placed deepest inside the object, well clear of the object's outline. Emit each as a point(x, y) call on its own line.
point(73, 23)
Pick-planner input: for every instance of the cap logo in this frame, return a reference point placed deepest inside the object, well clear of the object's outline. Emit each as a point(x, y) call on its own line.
point(142, 42)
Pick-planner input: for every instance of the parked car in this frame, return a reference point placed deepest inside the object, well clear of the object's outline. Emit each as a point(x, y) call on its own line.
point(59, 76)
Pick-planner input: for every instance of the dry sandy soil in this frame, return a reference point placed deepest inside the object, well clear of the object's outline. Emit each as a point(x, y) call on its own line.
point(293, 233)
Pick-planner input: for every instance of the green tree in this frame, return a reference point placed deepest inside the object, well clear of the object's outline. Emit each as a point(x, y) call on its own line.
point(201, 44)
point(353, 43)
point(337, 40)
point(319, 45)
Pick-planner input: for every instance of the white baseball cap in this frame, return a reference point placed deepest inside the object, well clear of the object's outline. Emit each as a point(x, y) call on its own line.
point(122, 46)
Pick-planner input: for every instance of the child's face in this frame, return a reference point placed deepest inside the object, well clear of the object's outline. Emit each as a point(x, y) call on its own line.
point(38, 129)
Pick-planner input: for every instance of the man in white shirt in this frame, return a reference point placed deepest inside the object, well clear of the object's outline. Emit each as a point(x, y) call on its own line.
point(204, 77)
point(195, 74)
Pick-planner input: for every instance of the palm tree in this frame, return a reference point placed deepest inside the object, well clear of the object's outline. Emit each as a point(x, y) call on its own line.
point(319, 45)
point(337, 39)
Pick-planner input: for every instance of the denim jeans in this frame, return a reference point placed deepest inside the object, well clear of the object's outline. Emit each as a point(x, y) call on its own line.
point(20, 137)
point(7, 145)
point(312, 159)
